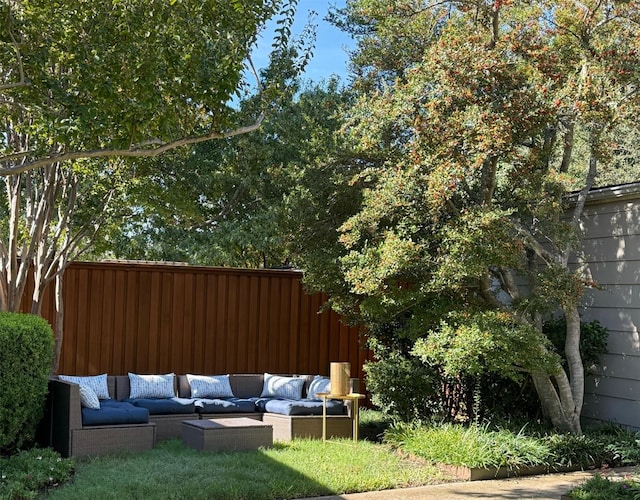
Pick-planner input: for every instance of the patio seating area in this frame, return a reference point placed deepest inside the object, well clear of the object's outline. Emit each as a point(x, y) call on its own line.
point(122, 422)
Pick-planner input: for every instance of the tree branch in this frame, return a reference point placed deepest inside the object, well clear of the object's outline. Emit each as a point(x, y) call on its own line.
point(22, 81)
point(133, 152)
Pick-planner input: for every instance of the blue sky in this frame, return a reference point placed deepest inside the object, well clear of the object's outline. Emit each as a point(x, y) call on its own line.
point(329, 55)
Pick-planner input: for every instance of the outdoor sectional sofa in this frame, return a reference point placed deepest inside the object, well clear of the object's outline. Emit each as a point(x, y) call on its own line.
point(135, 417)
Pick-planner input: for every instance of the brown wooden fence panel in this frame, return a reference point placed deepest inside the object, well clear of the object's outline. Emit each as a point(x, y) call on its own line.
point(159, 318)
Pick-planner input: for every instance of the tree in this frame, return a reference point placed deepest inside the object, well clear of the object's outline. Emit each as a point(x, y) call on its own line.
point(248, 201)
point(474, 108)
point(51, 217)
point(86, 84)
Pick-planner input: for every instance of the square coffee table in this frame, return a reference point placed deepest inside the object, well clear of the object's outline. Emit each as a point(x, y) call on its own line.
point(226, 434)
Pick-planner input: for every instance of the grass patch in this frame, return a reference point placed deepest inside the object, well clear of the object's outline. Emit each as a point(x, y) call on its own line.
point(23, 475)
point(373, 424)
point(296, 469)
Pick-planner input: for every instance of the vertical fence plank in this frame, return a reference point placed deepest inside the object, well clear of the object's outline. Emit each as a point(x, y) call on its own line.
point(253, 325)
point(222, 330)
point(119, 327)
point(132, 304)
point(263, 332)
point(273, 326)
point(294, 327)
point(107, 324)
point(95, 338)
point(187, 323)
point(81, 355)
point(232, 321)
point(199, 323)
point(244, 349)
point(177, 309)
point(142, 322)
point(284, 317)
point(165, 340)
point(209, 355)
point(155, 301)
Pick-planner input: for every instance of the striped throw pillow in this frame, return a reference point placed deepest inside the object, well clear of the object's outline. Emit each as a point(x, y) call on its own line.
point(276, 386)
point(88, 398)
point(214, 386)
point(151, 386)
point(97, 383)
point(318, 384)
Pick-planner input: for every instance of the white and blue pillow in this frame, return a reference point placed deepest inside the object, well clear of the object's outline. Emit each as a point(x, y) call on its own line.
point(276, 386)
point(88, 398)
point(318, 384)
point(151, 386)
point(97, 383)
point(211, 387)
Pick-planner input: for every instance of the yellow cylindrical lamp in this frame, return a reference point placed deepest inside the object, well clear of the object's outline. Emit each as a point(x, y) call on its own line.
point(340, 378)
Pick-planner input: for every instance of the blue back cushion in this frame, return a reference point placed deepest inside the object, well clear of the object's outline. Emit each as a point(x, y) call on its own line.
point(114, 412)
point(302, 407)
point(231, 405)
point(165, 406)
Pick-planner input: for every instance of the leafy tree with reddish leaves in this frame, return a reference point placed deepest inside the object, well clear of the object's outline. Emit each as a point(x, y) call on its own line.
point(474, 110)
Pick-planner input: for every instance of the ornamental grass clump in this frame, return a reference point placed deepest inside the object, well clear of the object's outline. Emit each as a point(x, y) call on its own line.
point(475, 446)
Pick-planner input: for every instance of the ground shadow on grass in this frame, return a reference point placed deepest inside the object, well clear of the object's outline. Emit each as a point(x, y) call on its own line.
point(173, 471)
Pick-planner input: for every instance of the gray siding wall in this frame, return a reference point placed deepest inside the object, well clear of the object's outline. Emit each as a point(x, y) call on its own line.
point(611, 230)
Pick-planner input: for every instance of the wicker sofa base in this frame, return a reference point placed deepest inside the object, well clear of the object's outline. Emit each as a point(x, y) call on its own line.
point(98, 440)
point(288, 427)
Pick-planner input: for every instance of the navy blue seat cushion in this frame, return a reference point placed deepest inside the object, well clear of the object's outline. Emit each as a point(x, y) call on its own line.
point(114, 412)
point(165, 406)
point(227, 405)
point(302, 407)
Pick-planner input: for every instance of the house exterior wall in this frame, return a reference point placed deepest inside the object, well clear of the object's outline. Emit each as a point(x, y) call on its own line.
point(611, 244)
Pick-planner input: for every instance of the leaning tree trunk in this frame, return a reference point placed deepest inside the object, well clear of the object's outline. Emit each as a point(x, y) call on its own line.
point(59, 324)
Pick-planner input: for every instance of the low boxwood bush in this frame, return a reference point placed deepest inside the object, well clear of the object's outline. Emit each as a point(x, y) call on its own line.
point(25, 361)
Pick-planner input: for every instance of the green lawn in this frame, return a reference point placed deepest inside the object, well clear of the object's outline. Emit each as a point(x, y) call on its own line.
point(303, 468)
point(300, 468)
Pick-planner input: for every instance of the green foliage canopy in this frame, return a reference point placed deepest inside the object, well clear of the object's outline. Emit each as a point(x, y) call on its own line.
point(86, 79)
point(251, 201)
point(487, 342)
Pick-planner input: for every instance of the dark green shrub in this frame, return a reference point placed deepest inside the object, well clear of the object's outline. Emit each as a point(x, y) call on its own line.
point(25, 360)
point(402, 386)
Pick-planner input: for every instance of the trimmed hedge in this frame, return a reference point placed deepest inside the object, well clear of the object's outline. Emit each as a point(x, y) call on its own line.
point(25, 361)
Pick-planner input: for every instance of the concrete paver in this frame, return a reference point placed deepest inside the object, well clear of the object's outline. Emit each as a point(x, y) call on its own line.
point(543, 487)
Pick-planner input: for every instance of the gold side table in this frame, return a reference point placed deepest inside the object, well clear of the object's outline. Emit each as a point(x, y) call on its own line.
point(354, 397)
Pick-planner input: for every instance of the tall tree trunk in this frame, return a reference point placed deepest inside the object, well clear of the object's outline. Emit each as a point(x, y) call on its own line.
point(59, 323)
point(557, 402)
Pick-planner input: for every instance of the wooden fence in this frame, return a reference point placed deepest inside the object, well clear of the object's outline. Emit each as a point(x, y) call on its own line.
point(159, 318)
